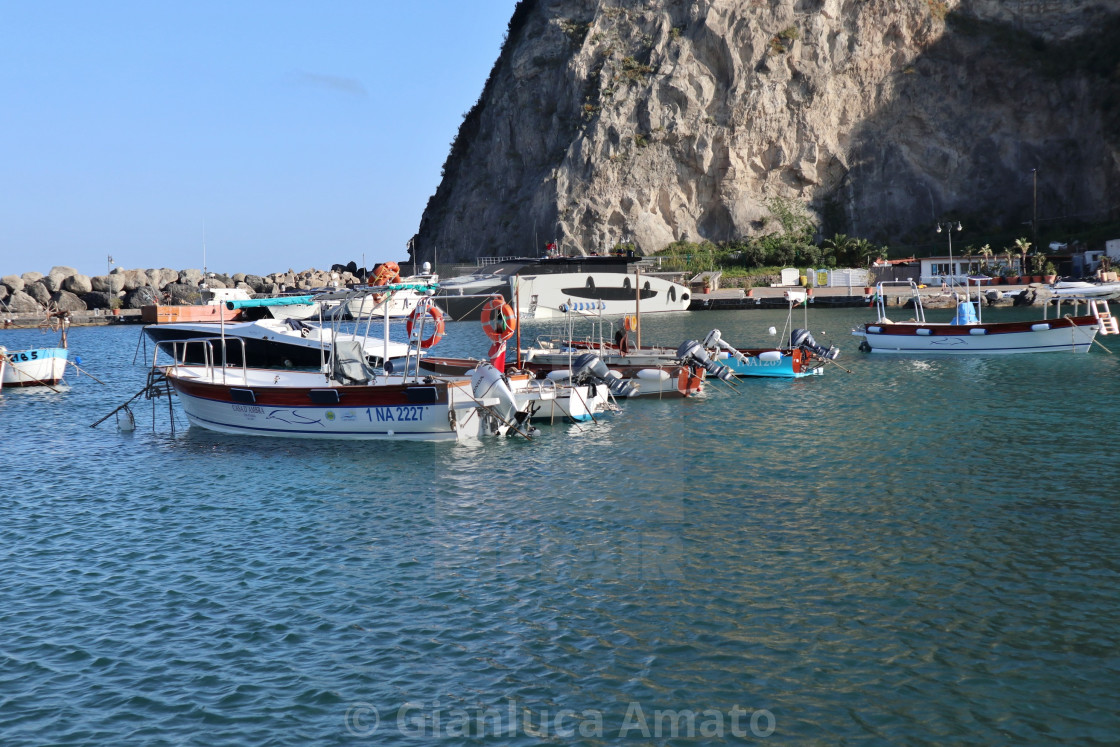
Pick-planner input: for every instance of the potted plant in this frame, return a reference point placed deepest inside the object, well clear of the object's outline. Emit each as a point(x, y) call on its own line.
point(1049, 273)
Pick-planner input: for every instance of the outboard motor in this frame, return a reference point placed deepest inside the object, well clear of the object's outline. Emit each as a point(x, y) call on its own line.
point(692, 351)
point(801, 338)
point(714, 340)
point(487, 381)
point(591, 366)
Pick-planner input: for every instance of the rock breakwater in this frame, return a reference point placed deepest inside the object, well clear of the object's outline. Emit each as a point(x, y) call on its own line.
point(66, 289)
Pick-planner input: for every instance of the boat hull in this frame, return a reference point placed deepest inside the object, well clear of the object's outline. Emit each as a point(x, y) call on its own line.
point(1064, 335)
point(773, 364)
point(299, 405)
point(555, 295)
point(36, 367)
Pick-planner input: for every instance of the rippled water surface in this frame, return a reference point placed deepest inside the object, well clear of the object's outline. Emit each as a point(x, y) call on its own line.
point(918, 550)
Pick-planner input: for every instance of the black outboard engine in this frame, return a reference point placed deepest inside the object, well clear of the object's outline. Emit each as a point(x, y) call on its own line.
point(591, 366)
point(693, 352)
point(801, 338)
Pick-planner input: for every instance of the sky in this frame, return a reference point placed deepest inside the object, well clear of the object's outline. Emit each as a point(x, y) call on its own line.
point(262, 135)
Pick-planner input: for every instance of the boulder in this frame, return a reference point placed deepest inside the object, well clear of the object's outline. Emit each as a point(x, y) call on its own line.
point(107, 283)
point(96, 299)
point(132, 279)
point(77, 284)
point(14, 282)
point(39, 292)
point(63, 271)
point(57, 276)
point(67, 301)
point(181, 294)
point(255, 282)
point(31, 277)
point(5, 291)
point(23, 302)
point(190, 277)
point(140, 297)
point(216, 282)
point(238, 277)
point(160, 278)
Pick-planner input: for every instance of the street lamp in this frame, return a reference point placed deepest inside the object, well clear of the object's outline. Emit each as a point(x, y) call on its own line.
point(949, 229)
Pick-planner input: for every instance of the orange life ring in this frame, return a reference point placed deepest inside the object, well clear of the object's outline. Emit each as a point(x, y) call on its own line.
point(437, 317)
point(499, 326)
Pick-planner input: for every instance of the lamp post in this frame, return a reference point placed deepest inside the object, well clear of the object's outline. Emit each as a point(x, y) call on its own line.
point(948, 227)
point(1034, 213)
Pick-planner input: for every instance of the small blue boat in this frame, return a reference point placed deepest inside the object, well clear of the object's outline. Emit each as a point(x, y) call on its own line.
point(804, 357)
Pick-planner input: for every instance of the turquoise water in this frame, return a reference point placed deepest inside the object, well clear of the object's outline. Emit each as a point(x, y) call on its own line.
point(921, 550)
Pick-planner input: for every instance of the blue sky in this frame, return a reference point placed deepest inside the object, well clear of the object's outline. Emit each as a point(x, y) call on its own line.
point(284, 134)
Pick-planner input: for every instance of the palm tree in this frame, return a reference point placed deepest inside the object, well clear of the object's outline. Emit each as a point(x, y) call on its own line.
point(985, 253)
point(1023, 246)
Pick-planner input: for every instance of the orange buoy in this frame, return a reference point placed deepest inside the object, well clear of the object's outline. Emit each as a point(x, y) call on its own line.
point(498, 320)
point(689, 383)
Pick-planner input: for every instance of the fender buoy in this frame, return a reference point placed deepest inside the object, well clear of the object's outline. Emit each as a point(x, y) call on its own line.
point(688, 382)
point(498, 320)
point(386, 273)
point(437, 318)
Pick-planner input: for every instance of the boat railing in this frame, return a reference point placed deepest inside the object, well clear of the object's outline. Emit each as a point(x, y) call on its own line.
point(884, 286)
point(177, 349)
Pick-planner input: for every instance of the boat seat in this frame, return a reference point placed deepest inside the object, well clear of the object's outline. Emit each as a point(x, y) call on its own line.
point(348, 363)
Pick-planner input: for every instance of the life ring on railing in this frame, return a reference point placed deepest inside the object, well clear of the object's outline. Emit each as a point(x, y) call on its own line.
point(498, 320)
point(385, 273)
point(437, 317)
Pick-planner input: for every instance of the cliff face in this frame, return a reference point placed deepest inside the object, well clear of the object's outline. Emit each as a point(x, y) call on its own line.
point(668, 119)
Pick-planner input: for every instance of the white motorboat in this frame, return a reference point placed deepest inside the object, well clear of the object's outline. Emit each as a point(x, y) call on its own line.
point(967, 333)
point(276, 343)
point(1081, 289)
point(398, 305)
point(542, 287)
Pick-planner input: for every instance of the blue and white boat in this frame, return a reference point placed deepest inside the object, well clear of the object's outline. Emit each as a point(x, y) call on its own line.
point(804, 357)
point(35, 367)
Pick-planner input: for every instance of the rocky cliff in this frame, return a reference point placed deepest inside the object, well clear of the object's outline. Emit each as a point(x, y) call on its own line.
point(662, 120)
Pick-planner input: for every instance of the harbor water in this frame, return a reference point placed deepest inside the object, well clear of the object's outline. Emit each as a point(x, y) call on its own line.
point(920, 550)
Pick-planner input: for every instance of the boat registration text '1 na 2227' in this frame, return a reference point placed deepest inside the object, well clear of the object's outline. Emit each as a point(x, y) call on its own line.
point(403, 413)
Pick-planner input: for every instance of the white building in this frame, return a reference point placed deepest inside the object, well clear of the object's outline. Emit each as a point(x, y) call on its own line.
point(957, 268)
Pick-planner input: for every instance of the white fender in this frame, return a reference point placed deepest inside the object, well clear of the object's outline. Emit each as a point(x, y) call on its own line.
point(770, 356)
point(652, 374)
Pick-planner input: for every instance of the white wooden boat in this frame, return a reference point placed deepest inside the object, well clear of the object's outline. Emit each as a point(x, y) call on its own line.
point(39, 366)
point(35, 367)
point(967, 333)
point(347, 400)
